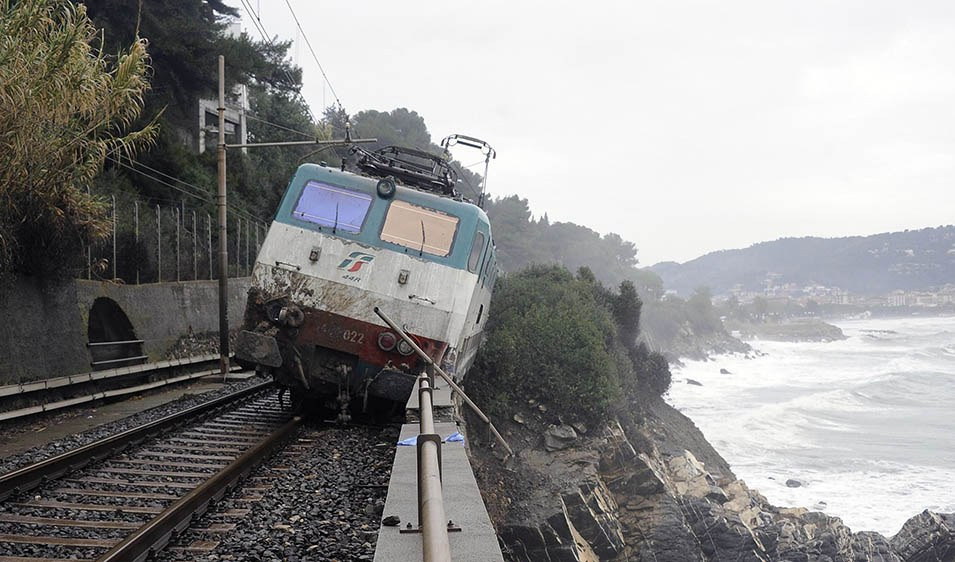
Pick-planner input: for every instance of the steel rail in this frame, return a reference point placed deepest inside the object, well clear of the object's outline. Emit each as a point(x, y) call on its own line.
point(30, 476)
point(153, 536)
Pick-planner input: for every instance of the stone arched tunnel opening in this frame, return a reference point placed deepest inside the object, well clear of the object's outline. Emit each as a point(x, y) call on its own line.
point(112, 339)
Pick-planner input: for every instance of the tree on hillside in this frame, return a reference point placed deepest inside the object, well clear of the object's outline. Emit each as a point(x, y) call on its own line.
point(64, 106)
point(703, 315)
point(186, 37)
point(522, 241)
point(515, 234)
point(398, 127)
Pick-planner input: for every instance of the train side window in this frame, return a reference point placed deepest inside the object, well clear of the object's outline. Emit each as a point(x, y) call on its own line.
point(419, 228)
point(333, 206)
point(488, 266)
point(474, 260)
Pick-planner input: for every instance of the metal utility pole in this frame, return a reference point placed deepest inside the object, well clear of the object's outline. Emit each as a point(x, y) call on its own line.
point(113, 199)
point(223, 233)
point(136, 221)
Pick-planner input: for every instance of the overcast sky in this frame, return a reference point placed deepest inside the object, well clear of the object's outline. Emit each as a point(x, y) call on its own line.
point(685, 127)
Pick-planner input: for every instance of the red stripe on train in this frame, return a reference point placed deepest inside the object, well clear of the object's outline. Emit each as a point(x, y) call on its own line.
point(360, 338)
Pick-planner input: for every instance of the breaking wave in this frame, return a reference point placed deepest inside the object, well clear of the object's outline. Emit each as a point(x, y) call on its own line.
point(864, 422)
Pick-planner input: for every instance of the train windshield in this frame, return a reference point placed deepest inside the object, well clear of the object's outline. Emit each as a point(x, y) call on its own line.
point(419, 228)
point(332, 206)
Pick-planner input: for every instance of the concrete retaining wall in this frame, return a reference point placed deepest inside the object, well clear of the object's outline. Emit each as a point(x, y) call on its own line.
point(43, 330)
point(41, 335)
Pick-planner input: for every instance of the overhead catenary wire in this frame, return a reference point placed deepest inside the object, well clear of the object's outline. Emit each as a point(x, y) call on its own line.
point(276, 125)
point(240, 212)
point(260, 27)
point(314, 56)
point(208, 195)
point(202, 195)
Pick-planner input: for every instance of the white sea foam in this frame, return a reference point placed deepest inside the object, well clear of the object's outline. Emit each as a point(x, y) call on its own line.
point(864, 422)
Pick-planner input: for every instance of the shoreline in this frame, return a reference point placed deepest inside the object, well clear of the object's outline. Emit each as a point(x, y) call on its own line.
point(812, 421)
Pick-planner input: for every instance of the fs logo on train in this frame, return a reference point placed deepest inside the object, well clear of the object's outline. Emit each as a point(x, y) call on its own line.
point(354, 261)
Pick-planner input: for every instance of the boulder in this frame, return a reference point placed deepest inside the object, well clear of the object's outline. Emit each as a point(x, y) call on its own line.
point(928, 536)
point(559, 437)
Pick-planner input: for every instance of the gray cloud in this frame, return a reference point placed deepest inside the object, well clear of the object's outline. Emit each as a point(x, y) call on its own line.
point(683, 126)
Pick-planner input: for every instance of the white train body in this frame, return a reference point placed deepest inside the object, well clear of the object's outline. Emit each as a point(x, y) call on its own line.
point(337, 250)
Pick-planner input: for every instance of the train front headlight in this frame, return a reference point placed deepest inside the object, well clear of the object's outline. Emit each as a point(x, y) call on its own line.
point(405, 348)
point(387, 341)
point(386, 187)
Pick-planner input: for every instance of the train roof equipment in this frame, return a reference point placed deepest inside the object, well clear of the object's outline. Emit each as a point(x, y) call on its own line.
point(473, 142)
point(423, 170)
point(411, 166)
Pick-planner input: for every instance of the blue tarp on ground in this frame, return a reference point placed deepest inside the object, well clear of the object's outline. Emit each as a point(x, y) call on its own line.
point(412, 441)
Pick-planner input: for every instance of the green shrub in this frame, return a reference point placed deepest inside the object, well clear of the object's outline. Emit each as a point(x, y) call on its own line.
point(563, 341)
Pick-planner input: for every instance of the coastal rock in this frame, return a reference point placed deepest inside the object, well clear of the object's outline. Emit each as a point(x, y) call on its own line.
point(793, 483)
point(928, 536)
point(693, 382)
point(725, 372)
point(651, 489)
point(793, 330)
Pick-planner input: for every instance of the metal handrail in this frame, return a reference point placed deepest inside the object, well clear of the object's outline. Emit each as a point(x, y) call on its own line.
point(97, 343)
point(435, 546)
point(447, 378)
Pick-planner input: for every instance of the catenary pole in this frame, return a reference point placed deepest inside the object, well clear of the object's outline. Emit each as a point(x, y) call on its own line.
point(223, 233)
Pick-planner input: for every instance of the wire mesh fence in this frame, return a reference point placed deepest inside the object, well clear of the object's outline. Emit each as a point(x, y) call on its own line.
point(169, 241)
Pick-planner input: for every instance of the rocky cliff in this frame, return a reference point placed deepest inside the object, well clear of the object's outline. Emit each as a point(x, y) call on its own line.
point(793, 330)
point(646, 486)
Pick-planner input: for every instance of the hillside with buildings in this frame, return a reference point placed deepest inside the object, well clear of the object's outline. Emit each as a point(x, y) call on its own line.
point(910, 268)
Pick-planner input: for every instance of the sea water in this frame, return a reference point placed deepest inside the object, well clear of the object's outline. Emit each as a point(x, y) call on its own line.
point(866, 424)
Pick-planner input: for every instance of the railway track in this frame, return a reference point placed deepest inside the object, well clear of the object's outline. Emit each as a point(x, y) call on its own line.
point(126, 496)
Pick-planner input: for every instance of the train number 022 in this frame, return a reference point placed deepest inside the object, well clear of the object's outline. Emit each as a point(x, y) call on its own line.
point(353, 336)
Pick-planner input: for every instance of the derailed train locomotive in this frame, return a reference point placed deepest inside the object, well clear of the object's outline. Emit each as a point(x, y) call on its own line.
point(396, 235)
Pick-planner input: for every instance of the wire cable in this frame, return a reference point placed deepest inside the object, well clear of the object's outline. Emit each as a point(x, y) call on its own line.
point(206, 195)
point(207, 199)
point(314, 56)
point(257, 22)
point(283, 127)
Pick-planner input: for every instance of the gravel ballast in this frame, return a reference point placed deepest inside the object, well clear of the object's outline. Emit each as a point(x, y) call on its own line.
point(325, 494)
